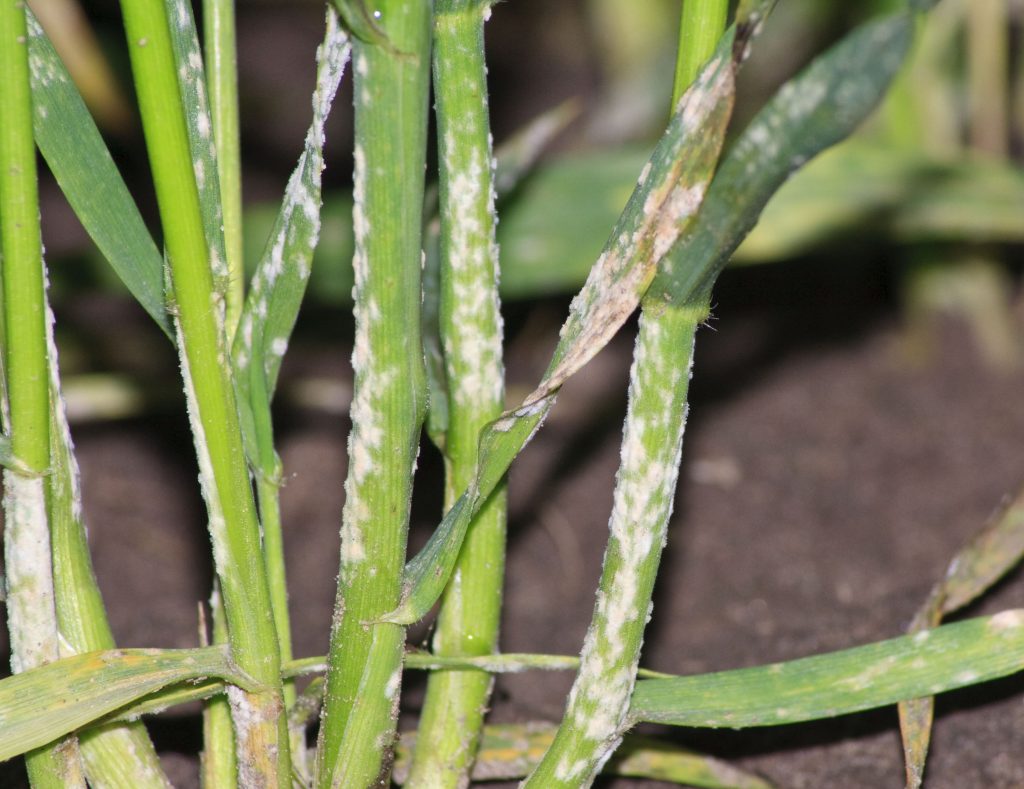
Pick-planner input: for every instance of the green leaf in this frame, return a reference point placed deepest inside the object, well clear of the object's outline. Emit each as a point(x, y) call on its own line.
point(860, 187)
point(667, 196)
point(188, 62)
point(73, 148)
point(552, 231)
point(510, 751)
point(517, 157)
point(43, 704)
point(815, 110)
point(839, 683)
point(436, 422)
point(279, 282)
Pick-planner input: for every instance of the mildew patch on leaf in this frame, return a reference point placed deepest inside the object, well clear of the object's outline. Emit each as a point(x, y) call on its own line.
point(472, 344)
point(657, 213)
point(45, 71)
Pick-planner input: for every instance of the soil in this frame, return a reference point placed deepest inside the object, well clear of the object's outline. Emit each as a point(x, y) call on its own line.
point(826, 483)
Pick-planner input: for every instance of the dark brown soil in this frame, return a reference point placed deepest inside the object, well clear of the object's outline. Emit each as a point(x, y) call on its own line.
point(825, 486)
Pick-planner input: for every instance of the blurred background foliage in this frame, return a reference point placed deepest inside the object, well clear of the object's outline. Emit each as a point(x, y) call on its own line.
point(932, 185)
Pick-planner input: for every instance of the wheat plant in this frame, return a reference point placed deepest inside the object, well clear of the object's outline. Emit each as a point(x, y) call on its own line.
point(427, 358)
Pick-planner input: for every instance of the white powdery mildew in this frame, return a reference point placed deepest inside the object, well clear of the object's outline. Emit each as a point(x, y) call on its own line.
point(367, 432)
point(1007, 621)
point(472, 342)
point(184, 15)
point(207, 481)
point(681, 204)
point(44, 71)
point(698, 100)
point(247, 717)
point(31, 618)
point(868, 677)
point(278, 346)
point(61, 417)
point(393, 684)
point(644, 491)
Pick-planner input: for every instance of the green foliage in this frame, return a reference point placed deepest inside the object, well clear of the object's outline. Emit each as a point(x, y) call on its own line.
point(823, 686)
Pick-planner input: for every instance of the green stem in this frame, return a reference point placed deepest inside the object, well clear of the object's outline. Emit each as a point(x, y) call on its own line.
point(365, 660)
point(222, 79)
point(596, 715)
point(218, 766)
point(31, 612)
point(700, 24)
point(453, 712)
point(599, 702)
point(258, 716)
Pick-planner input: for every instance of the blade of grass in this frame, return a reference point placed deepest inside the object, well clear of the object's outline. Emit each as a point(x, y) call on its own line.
point(816, 109)
point(279, 282)
point(31, 612)
point(259, 719)
point(471, 335)
point(363, 682)
point(114, 756)
point(652, 444)
point(74, 37)
point(222, 84)
point(855, 672)
point(90, 180)
point(839, 683)
point(666, 197)
point(993, 552)
point(510, 751)
point(43, 704)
